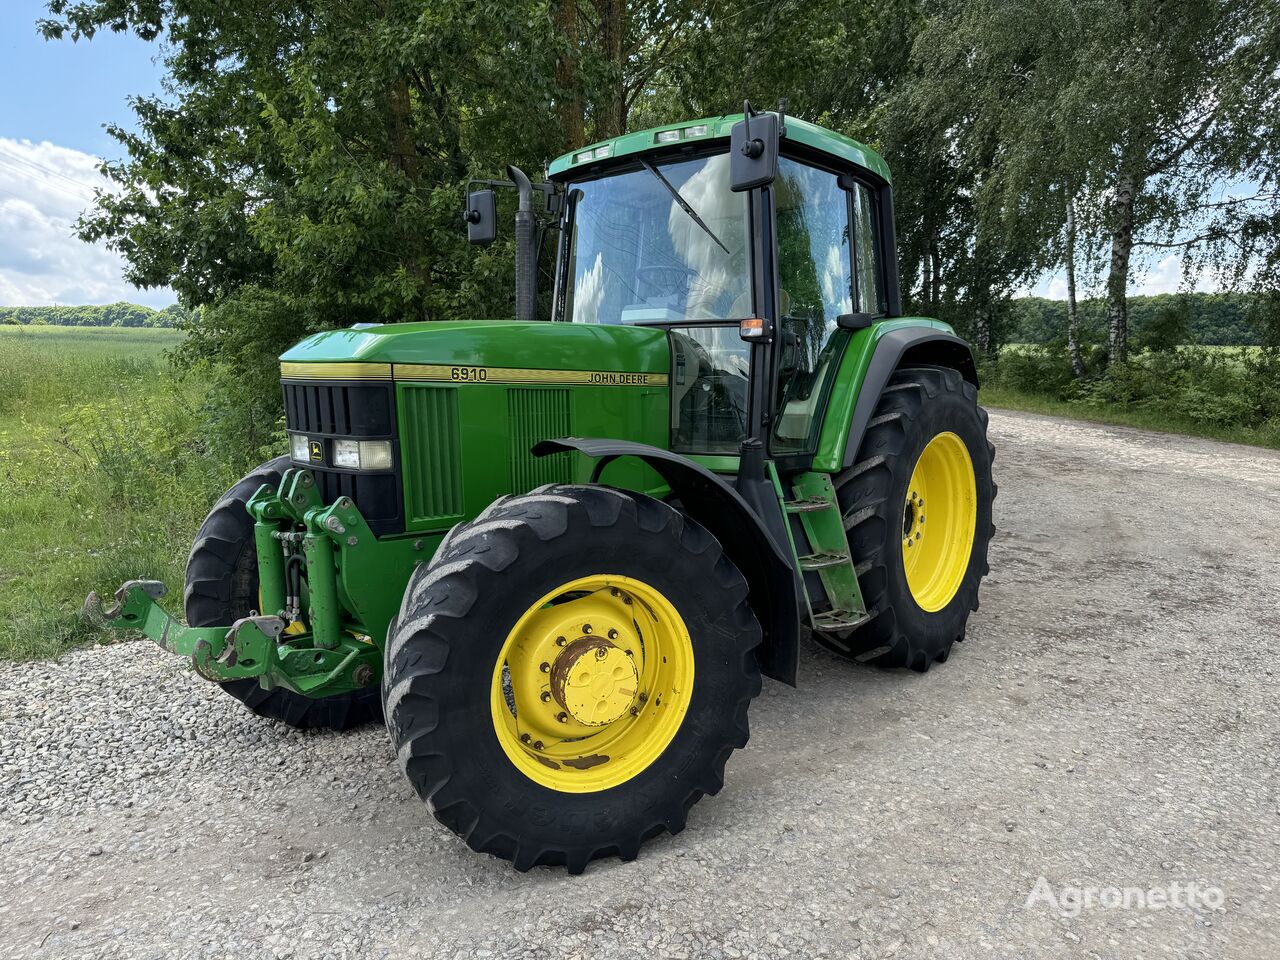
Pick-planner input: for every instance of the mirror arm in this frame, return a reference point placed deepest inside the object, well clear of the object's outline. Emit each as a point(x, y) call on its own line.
point(751, 147)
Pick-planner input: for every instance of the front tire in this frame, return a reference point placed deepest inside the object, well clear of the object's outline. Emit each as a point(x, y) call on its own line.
point(222, 587)
point(917, 508)
point(569, 674)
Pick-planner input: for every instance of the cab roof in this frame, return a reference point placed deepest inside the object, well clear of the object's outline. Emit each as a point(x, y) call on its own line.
point(716, 128)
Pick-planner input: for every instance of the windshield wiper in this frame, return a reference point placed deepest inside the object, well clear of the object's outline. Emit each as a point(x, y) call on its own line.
point(684, 204)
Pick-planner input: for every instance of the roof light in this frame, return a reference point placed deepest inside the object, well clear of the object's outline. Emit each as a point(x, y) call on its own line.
point(667, 136)
point(582, 157)
point(605, 151)
point(697, 130)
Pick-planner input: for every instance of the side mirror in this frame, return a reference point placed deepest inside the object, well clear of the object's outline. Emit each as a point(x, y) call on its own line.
point(481, 217)
point(753, 151)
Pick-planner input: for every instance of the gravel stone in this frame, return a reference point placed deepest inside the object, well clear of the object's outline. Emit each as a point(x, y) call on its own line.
point(1110, 722)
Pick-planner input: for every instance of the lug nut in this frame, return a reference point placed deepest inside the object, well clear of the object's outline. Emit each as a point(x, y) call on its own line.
point(544, 667)
point(561, 641)
point(613, 634)
point(537, 744)
point(545, 696)
point(562, 717)
point(524, 738)
point(586, 628)
point(643, 696)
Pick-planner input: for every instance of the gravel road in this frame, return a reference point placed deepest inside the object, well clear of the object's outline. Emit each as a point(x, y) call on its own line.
point(1109, 723)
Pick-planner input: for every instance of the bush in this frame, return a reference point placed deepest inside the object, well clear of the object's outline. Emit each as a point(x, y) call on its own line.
point(1222, 391)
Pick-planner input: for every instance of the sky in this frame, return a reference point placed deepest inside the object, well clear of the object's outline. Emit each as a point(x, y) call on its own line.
point(58, 97)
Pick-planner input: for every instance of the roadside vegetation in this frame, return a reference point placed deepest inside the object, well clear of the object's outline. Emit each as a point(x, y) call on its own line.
point(105, 472)
point(1202, 364)
point(1224, 393)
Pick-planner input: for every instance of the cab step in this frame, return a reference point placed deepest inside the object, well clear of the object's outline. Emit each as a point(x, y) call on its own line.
point(822, 561)
point(815, 524)
point(806, 505)
point(838, 620)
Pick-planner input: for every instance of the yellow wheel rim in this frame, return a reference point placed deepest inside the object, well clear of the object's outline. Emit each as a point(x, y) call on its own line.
point(938, 521)
point(592, 683)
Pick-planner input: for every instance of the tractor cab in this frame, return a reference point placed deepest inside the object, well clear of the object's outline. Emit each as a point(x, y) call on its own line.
point(768, 270)
point(655, 234)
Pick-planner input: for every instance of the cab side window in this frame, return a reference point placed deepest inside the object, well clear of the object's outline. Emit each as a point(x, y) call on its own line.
point(866, 234)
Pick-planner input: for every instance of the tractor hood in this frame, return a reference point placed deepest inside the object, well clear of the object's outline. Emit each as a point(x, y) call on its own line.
point(492, 350)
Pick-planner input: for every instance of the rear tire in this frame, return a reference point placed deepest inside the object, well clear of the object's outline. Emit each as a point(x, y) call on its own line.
point(917, 627)
point(461, 696)
point(222, 586)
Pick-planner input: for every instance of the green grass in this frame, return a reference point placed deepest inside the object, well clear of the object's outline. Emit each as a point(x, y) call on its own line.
point(96, 341)
point(104, 476)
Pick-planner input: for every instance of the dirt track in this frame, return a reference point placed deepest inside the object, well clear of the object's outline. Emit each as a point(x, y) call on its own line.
point(1110, 722)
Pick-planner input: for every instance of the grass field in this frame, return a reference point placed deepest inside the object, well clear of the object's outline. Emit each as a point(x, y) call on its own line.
point(104, 479)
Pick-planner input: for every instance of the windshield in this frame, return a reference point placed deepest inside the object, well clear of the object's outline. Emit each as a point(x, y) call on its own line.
point(639, 255)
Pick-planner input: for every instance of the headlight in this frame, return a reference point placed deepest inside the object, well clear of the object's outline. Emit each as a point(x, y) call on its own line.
point(298, 448)
point(362, 454)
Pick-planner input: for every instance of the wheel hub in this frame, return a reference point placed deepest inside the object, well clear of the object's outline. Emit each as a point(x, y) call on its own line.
point(594, 680)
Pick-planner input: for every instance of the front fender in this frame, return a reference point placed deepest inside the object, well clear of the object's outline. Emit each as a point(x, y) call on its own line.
point(716, 505)
point(904, 346)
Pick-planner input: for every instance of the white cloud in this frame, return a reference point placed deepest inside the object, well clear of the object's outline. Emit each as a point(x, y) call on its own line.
point(43, 189)
point(1162, 276)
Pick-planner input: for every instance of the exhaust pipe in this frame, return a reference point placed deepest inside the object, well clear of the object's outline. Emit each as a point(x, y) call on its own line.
point(526, 252)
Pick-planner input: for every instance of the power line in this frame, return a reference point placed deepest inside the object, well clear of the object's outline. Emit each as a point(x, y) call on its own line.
point(44, 168)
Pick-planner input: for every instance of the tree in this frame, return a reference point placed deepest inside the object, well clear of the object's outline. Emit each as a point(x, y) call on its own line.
point(303, 169)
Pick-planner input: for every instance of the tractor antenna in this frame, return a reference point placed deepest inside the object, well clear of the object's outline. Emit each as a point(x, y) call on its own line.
point(782, 116)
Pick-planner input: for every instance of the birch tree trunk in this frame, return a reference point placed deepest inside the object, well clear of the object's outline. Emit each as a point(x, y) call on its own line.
point(982, 333)
point(926, 292)
point(1118, 279)
point(1073, 318)
point(935, 296)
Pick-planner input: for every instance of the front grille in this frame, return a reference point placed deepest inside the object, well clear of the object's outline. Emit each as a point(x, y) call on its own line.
point(432, 431)
point(535, 414)
point(332, 410)
point(340, 410)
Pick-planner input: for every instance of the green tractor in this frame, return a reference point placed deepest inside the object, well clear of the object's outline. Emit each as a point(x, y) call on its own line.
point(557, 555)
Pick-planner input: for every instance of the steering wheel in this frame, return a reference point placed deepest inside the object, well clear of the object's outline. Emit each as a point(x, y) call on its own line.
point(665, 277)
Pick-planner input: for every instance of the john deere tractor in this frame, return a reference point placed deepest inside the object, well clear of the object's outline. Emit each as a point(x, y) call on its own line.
point(557, 554)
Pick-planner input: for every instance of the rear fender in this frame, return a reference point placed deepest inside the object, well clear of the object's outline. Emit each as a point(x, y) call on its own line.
point(716, 505)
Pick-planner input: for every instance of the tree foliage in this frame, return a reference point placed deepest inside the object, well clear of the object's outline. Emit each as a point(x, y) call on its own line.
point(304, 166)
point(109, 315)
